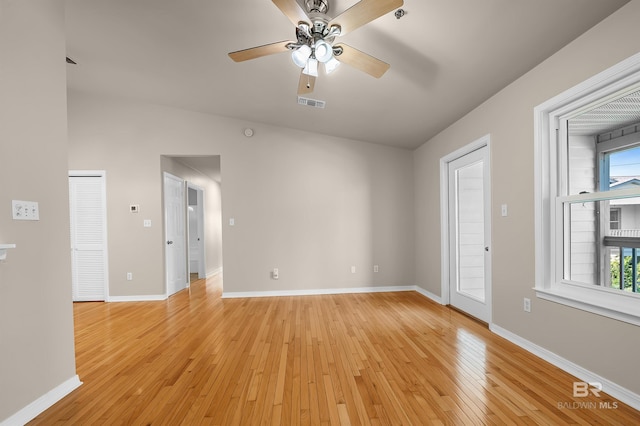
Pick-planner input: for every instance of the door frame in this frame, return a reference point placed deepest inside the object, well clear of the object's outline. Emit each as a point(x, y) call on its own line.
point(102, 175)
point(445, 262)
point(202, 270)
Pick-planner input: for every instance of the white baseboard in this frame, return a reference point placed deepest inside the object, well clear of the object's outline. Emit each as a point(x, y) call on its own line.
point(315, 292)
point(609, 387)
point(143, 298)
point(428, 294)
point(214, 273)
point(35, 408)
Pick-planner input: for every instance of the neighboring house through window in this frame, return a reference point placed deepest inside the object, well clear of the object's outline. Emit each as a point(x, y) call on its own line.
point(614, 218)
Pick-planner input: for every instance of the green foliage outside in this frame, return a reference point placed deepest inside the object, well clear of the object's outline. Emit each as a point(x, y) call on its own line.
point(628, 272)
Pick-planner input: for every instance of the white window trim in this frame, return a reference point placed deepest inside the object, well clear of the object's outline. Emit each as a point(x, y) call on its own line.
point(548, 117)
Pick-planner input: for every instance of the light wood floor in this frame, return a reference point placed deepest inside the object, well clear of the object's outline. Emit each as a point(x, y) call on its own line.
point(382, 358)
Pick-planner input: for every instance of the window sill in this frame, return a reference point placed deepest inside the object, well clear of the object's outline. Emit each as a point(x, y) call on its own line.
point(619, 306)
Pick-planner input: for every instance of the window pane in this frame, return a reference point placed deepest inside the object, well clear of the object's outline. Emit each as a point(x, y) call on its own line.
point(581, 261)
point(624, 168)
point(582, 164)
point(622, 245)
point(625, 213)
point(470, 217)
point(592, 244)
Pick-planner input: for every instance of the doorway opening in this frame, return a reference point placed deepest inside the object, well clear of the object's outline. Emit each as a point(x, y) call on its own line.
point(201, 219)
point(195, 225)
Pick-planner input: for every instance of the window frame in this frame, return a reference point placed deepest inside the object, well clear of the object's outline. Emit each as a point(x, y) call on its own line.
point(618, 221)
point(550, 119)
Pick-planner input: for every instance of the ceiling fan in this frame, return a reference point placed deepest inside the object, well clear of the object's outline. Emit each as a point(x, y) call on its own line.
point(315, 36)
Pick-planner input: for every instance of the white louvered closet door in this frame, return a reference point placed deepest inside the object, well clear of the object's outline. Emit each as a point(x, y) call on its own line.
point(88, 237)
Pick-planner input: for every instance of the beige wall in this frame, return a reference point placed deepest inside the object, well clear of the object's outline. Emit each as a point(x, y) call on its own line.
point(308, 204)
point(36, 323)
point(589, 340)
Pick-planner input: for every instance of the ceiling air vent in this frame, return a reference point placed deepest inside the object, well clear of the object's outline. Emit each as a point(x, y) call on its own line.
point(311, 102)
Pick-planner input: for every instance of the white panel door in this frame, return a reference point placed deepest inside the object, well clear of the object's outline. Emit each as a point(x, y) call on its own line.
point(87, 211)
point(469, 233)
point(175, 234)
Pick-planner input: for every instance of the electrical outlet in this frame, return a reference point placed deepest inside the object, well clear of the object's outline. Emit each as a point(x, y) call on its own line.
point(275, 274)
point(376, 268)
point(527, 304)
point(129, 276)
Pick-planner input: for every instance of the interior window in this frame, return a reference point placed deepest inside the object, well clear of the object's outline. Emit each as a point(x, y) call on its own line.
point(588, 194)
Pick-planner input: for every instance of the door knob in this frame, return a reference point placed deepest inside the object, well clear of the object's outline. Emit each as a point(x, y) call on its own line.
point(169, 242)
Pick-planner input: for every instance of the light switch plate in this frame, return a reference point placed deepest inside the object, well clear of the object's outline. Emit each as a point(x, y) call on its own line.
point(25, 210)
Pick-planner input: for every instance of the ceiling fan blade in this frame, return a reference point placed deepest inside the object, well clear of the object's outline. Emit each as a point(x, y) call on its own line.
point(259, 51)
point(363, 12)
point(292, 10)
point(306, 84)
point(360, 60)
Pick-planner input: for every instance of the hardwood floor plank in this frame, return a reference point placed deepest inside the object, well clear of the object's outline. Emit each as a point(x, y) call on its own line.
point(379, 359)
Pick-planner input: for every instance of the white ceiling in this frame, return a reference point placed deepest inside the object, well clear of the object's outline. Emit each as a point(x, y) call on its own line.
point(446, 56)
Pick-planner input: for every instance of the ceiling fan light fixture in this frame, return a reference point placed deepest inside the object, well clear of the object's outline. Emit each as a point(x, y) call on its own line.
point(331, 65)
point(311, 68)
point(300, 55)
point(323, 51)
